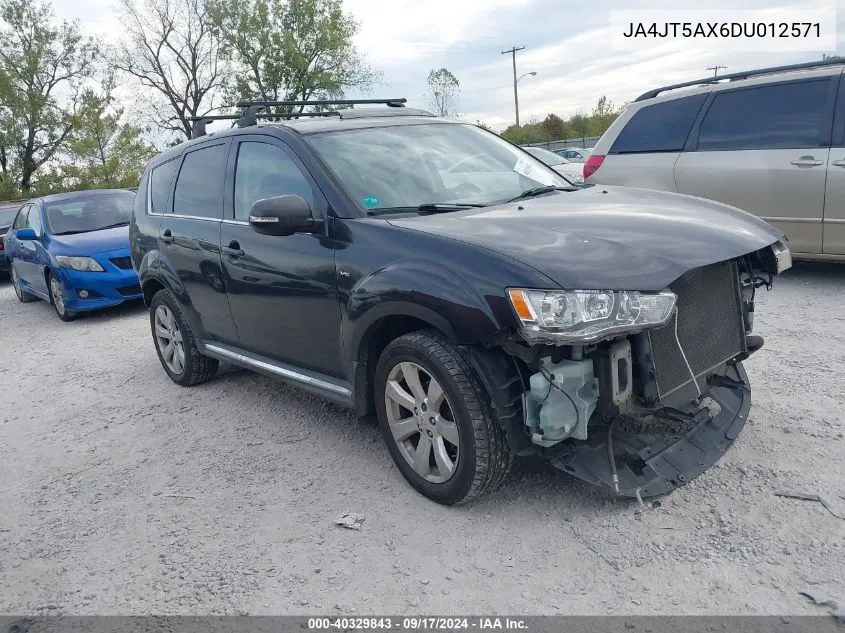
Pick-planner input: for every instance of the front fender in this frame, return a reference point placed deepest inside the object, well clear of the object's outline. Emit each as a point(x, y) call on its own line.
point(421, 289)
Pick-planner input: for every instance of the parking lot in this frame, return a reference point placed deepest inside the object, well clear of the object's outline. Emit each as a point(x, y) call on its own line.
point(124, 493)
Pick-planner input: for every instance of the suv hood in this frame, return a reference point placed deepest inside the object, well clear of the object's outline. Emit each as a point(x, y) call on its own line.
point(607, 238)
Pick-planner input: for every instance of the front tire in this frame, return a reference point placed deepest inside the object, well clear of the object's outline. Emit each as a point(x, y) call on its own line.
point(437, 421)
point(57, 299)
point(22, 295)
point(176, 344)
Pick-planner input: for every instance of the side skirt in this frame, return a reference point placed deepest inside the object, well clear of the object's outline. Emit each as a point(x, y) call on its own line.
point(313, 382)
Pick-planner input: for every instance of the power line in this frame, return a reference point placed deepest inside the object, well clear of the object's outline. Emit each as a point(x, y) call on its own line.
point(512, 52)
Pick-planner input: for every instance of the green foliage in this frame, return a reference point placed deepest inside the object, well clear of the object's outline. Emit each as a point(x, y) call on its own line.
point(42, 68)
point(553, 128)
point(442, 92)
point(289, 50)
point(104, 152)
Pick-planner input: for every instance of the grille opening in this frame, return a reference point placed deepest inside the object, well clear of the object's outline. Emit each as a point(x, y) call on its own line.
point(124, 263)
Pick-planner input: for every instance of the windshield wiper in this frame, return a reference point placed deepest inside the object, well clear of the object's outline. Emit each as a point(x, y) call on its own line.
point(427, 207)
point(112, 226)
point(537, 191)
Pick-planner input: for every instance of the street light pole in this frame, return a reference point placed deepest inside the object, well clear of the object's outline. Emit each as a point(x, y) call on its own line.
point(513, 51)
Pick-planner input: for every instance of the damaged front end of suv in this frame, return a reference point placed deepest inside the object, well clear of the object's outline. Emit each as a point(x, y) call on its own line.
point(640, 392)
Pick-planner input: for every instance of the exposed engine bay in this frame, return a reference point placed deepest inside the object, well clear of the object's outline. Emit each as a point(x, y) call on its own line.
point(644, 412)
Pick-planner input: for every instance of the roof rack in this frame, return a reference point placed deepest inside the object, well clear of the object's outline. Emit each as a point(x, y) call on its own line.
point(738, 76)
point(251, 111)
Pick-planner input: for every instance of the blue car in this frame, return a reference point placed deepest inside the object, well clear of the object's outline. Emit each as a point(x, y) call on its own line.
point(72, 249)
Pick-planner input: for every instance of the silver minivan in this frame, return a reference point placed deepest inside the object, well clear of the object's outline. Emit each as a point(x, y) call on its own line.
point(769, 141)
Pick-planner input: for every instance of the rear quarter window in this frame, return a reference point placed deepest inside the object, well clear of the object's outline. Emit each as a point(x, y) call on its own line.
point(161, 178)
point(660, 127)
point(779, 116)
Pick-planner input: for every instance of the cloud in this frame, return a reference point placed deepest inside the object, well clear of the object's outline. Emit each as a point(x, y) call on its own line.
point(567, 42)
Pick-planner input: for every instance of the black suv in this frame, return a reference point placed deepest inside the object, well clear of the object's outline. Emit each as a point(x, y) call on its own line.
point(477, 302)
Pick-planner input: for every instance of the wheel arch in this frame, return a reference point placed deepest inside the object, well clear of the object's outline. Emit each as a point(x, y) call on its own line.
point(376, 336)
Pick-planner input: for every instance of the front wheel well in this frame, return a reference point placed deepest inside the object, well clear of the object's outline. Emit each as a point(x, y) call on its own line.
point(375, 339)
point(150, 288)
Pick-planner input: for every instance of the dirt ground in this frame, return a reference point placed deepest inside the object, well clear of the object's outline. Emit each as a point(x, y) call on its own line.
point(124, 493)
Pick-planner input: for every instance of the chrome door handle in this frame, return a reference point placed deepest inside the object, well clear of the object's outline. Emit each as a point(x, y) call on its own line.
point(806, 161)
point(839, 163)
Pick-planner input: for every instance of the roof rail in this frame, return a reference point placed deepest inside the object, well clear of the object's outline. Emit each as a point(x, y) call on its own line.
point(251, 111)
point(738, 76)
point(394, 103)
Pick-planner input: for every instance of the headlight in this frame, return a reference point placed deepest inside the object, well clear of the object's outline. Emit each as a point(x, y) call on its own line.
point(85, 264)
point(581, 316)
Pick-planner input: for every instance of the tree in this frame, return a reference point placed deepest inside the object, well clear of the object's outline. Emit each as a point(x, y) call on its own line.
point(290, 50)
point(103, 151)
point(483, 125)
point(172, 49)
point(42, 68)
point(553, 127)
point(443, 91)
point(579, 124)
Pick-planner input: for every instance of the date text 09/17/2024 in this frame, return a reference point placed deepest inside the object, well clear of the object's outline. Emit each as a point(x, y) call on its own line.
point(419, 623)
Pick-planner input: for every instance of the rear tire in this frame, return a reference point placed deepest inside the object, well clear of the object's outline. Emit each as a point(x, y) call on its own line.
point(22, 295)
point(436, 420)
point(176, 344)
point(57, 299)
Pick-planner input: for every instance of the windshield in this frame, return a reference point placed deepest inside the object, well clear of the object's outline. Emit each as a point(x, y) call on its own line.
point(550, 158)
point(405, 166)
point(89, 213)
point(7, 214)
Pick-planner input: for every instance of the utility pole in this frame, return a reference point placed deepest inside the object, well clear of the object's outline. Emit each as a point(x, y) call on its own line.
point(515, 95)
point(715, 69)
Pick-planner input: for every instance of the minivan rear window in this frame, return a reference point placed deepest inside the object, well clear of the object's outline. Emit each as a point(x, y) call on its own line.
point(779, 116)
point(661, 127)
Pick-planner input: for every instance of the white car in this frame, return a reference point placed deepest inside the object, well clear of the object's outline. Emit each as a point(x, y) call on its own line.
point(569, 170)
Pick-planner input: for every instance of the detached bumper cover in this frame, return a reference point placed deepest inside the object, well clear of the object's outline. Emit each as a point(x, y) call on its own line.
point(655, 463)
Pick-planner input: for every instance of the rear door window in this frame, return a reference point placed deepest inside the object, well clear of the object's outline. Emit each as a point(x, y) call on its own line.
point(661, 127)
point(780, 116)
point(199, 187)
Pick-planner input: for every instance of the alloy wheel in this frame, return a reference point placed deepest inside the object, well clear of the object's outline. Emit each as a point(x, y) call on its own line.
point(169, 339)
point(16, 284)
point(422, 422)
point(56, 294)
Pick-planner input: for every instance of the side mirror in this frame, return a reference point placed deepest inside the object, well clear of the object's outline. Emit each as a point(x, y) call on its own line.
point(281, 215)
point(27, 234)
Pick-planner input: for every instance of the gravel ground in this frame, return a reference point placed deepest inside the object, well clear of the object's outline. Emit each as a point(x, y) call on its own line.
point(122, 493)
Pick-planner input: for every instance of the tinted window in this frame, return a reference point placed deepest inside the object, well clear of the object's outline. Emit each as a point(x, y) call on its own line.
point(20, 221)
point(662, 127)
point(768, 117)
point(160, 180)
point(89, 213)
point(265, 171)
point(200, 181)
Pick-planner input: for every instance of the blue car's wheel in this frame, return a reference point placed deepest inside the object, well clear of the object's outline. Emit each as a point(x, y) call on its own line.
point(58, 299)
point(23, 295)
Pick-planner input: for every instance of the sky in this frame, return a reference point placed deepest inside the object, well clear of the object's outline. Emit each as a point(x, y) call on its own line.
point(567, 43)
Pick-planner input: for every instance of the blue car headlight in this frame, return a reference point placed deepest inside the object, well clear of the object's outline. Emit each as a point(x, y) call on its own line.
point(83, 264)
